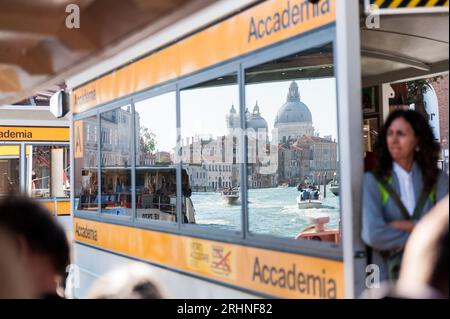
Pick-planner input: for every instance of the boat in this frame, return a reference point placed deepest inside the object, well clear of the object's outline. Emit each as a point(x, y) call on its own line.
point(309, 198)
point(317, 231)
point(334, 186)
point(230, 196)
point(335, 189)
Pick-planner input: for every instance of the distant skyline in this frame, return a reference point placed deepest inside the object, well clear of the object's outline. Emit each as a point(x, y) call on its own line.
point(204, 110)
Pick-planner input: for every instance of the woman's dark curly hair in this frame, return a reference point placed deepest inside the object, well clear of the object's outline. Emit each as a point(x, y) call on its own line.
point(426, 156)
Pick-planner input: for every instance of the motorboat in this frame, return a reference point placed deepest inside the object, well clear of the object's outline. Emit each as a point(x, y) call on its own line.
point(309, 198)
point(334, 189)
point(230, 196)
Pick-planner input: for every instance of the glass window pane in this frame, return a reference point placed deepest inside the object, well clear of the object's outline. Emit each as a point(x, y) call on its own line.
point(86, 164)
point(292, 141)
point(9, 169)
point(210, 142)
point(48, 175)
point(116, 155)
point(155, 122)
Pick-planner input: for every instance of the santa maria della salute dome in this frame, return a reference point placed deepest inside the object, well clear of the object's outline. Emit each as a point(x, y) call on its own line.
point(293, 119)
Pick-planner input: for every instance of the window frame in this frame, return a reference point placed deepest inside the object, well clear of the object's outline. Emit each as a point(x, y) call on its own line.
point(107, 108)
point(81, 117)
point(22, 161)
point(326, 35)
point(66, 144)
point(296, 44)
point(157, 225)
point(194, 230)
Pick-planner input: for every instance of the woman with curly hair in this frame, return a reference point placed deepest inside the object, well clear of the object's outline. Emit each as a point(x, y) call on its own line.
point(405, 184)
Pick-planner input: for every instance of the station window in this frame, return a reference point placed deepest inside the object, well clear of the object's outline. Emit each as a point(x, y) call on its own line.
point(116, 156)
point(9, 169)
point(292, 143)
point(210, 133)
point(155, 123)
point(86, 164)
point(48, 171)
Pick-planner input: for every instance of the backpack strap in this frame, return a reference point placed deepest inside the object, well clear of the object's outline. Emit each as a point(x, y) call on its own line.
point(383, 193)
point(432, 195)
point(419, 206)
point(392, 193)
point(422, 201)
point(389, 191)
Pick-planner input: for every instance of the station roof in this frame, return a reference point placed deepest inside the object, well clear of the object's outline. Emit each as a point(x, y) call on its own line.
point(405, 46)
point(38, 51)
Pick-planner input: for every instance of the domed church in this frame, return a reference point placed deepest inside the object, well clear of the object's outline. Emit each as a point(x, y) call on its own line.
point(294, 118)
point(254, 119)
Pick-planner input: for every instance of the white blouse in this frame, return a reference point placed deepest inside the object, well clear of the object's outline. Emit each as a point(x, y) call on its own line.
point(406, 187)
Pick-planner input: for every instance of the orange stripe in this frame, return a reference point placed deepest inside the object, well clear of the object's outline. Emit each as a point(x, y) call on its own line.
point(413, 3)
point(379, 2)
point(395, 3)
point(216, 44)
point(17, 133)
point(431, 3)
point(252, 268)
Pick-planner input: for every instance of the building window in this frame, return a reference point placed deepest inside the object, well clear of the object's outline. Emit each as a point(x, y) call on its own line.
point(155, 122)
point(115, 197)
point(281, 162)
point(86, 164)
point(50, 171)
point(209, 132)
point(9, 169)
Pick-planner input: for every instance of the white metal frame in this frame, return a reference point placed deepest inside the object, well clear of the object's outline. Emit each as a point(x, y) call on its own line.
point(350, 120)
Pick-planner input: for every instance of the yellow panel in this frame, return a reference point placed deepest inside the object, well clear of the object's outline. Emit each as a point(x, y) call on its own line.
point(17, 133)
point(9, 150)
point(266, 271)
point(63, 207)
point(258, 27)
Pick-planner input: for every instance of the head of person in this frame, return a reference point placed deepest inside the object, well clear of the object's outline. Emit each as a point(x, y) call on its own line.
point(406, 136)
point(37, 247)
point(135, 281)
point(186, 189)
point(425, 265)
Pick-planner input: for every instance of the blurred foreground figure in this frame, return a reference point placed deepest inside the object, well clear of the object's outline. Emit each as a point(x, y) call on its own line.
point(12, 283)
point(34, 250)
point(132, 282)
point(424, 272)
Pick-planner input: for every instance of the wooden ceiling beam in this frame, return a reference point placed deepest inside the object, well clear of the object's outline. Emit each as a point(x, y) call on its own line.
point(9, 79)
point(50, 52)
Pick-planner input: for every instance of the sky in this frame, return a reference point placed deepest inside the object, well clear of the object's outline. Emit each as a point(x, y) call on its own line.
point(203, 110)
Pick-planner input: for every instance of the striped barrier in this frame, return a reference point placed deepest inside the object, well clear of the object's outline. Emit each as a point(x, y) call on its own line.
point(407, 6)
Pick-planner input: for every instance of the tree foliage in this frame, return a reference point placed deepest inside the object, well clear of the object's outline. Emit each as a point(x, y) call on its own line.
point(148, 140)
point(416, 91)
